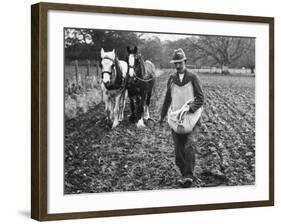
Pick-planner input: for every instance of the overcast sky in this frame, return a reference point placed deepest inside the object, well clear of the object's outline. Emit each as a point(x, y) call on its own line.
point(164, 37)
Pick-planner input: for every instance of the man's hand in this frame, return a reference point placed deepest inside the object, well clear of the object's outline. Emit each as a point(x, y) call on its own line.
point(160, 121)
point(187, 108)
point(180, 116)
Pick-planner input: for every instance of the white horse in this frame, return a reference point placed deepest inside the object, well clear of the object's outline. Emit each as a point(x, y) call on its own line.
point(114, 91)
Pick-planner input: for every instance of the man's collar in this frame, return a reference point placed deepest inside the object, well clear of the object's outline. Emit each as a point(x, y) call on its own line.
point(183, 72)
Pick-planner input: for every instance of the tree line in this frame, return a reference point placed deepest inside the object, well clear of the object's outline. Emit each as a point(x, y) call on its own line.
point(201, 51)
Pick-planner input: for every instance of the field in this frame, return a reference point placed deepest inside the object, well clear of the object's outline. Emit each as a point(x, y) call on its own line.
point(98, 159)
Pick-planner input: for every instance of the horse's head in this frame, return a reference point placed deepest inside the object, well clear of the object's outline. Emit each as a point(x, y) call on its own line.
point(133, 61)
point(108, 66)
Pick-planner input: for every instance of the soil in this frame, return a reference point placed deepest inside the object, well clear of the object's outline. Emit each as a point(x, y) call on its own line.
point(100, 159)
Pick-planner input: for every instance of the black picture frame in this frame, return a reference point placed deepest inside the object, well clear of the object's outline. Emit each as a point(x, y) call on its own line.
point(39, 108)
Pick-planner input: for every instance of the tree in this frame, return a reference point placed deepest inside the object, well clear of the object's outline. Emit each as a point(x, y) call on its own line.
point(152, 50)
point(248, 58)
point(222, 50)
point(86, 43)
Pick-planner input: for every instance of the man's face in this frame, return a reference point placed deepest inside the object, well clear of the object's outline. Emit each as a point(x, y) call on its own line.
point(180, 66)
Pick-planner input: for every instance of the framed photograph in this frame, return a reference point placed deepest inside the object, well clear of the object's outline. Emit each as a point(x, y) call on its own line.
point(140, 111)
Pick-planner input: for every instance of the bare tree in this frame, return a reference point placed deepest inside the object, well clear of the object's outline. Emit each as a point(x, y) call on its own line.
point(250, 55)
point(223, 50)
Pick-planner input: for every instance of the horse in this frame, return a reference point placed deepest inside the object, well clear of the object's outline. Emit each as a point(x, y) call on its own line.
point(113, 85)
point(141, 79)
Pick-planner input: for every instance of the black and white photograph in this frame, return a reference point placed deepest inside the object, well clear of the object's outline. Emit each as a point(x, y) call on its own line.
point(153, 111)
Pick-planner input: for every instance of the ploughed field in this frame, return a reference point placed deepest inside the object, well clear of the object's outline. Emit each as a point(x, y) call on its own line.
point(99, 159)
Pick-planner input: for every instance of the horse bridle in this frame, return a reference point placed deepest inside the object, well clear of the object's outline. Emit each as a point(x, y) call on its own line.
point(135, 76)
point(110, 73)
point(123, 86)
point(132, 66)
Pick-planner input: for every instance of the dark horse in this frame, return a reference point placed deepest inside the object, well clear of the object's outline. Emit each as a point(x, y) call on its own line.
point(141, 79)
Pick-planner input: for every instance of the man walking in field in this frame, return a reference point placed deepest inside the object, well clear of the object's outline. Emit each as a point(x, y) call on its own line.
point(183, 103)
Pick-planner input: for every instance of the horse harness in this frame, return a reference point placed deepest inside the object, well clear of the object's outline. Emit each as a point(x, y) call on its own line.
point(143, 80)
point(135, 76)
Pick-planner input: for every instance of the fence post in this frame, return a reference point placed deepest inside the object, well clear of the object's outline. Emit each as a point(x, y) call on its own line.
point(87, 76)
point(88, 67)
point(97, 71)
point(76, 75)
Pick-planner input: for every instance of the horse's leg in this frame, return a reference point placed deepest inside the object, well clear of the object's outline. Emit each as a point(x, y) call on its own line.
point(106, 101)
point(146, 105)
point(111, 112)
point(132, 105)
point(104, 96)
point(140, 105)
point(123, 104)
point(116, 111)
point(120, 107)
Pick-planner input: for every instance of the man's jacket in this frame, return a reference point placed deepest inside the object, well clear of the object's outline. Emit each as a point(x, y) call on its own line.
point(198, 93)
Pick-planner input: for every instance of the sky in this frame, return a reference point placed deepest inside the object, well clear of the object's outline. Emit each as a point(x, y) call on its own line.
point(164, 37)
